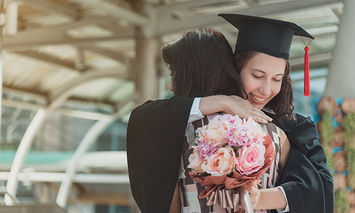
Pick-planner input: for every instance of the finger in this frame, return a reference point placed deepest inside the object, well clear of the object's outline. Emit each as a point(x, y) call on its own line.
point(262, 115)
point(259, 120)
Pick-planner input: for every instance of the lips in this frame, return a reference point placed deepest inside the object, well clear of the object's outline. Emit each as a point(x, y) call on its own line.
point(258, 99)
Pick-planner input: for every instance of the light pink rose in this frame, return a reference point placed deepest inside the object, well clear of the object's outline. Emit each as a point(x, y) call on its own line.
point(251, 158)
point(195, 162)
point(257, 133)
point(215, 130)
point(221, 163)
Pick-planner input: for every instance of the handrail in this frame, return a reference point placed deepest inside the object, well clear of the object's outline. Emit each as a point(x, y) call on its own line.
point(2, 203)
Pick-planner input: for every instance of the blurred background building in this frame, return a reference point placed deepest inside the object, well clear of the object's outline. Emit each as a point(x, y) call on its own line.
point(72, 70)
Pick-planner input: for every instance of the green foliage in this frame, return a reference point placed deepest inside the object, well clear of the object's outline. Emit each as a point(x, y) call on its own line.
point(329, 157)
point(350, 159)
point(327, 133)
point(327, 128)
point(341, 201)
point(349, 125)
point(349, 129)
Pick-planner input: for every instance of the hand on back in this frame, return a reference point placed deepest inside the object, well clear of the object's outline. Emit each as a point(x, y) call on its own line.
point(233, 105)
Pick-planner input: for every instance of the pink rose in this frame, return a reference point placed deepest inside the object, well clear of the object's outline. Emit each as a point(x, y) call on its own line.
point(258, 133)
point(215, 130)
point(195, 162)
point(221, 163)
point(251, 158)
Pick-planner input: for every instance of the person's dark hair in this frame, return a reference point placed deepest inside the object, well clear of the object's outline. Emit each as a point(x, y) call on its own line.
point(282, 103)
point(201, 64)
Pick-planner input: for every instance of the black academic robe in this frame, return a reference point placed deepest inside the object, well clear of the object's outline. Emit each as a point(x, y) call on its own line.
point(309, 153)
point(154, 142)
point(155, 135)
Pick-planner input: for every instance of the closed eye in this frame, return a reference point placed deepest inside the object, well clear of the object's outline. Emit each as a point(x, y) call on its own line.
point(256, 76)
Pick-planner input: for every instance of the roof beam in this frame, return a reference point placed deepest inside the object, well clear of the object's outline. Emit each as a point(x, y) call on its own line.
point(167, 24)
point(21, 43)
point(108, 53)
point(51, 7)
point(168, 8)
point(62, 111)
point(50, 59)
point(119, 12)
point(57, 97)
point(56, 35)
point(316, 60)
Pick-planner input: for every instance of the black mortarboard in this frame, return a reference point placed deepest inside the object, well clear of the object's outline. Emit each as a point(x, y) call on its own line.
point(269, 36)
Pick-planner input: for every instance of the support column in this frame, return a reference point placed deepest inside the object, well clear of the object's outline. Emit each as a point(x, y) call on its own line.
point(146, 69)
point(341, 75)
point(2, 19)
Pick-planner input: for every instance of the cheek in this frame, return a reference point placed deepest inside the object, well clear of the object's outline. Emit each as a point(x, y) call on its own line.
point(249, 83)
point(276, 89)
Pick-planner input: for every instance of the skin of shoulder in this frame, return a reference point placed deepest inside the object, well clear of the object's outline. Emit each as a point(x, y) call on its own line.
point(285, 149)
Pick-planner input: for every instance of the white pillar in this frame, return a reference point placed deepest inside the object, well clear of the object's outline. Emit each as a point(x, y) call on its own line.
point(341, 75)
point(11, 18)
point(2, 20)
point(147, 58)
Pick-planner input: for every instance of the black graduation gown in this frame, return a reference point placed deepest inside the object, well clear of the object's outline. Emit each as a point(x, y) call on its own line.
point(154, 142)
point(155, 135)
point(307, 152)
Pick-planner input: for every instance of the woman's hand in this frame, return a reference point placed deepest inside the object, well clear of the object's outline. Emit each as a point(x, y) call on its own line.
point(249, 199)
point(233, 105)
point(254, 195)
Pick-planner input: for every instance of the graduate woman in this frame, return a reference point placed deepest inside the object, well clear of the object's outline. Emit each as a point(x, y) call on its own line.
point(262, 47)
point(201, 64)
point(306, 179)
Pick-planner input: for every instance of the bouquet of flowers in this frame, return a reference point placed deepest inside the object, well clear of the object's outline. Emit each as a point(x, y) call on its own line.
point(229, 152)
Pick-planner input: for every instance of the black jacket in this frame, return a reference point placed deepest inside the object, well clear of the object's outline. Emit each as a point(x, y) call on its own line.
point(155, 135)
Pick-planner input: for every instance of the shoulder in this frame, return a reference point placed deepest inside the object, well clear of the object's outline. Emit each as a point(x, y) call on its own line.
point(284, 142)
point(300, 123)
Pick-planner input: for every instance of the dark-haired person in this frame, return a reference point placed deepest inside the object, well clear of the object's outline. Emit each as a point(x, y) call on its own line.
point(261, 41)
point(201, 64)
point(306, 180)
point(207, 75)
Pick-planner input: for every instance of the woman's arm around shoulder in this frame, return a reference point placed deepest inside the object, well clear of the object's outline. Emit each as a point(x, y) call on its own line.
point(233, 105)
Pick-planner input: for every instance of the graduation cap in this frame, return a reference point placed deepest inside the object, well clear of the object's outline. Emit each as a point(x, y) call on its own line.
point(269, 36)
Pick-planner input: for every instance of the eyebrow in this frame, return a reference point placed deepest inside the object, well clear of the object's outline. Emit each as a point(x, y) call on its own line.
point(256, 69)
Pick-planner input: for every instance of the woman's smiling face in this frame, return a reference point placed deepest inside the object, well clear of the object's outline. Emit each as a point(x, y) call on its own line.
point(262, 78)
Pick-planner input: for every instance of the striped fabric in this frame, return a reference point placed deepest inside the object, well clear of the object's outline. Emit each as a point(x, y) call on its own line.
point(189, 189)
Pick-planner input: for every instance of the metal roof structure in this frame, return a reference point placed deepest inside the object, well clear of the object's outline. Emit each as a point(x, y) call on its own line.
point(93, 41)
point(78, 57)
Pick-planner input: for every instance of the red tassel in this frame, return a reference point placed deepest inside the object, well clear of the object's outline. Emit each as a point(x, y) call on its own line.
point(306, 71)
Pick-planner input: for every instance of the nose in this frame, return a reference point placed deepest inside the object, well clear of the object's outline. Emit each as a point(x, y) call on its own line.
point(266, 89)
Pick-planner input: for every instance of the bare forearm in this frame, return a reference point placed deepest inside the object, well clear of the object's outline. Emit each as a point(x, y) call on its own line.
point(271, 198)
point(175, 206)
point(233, 105)
point(212, 104)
